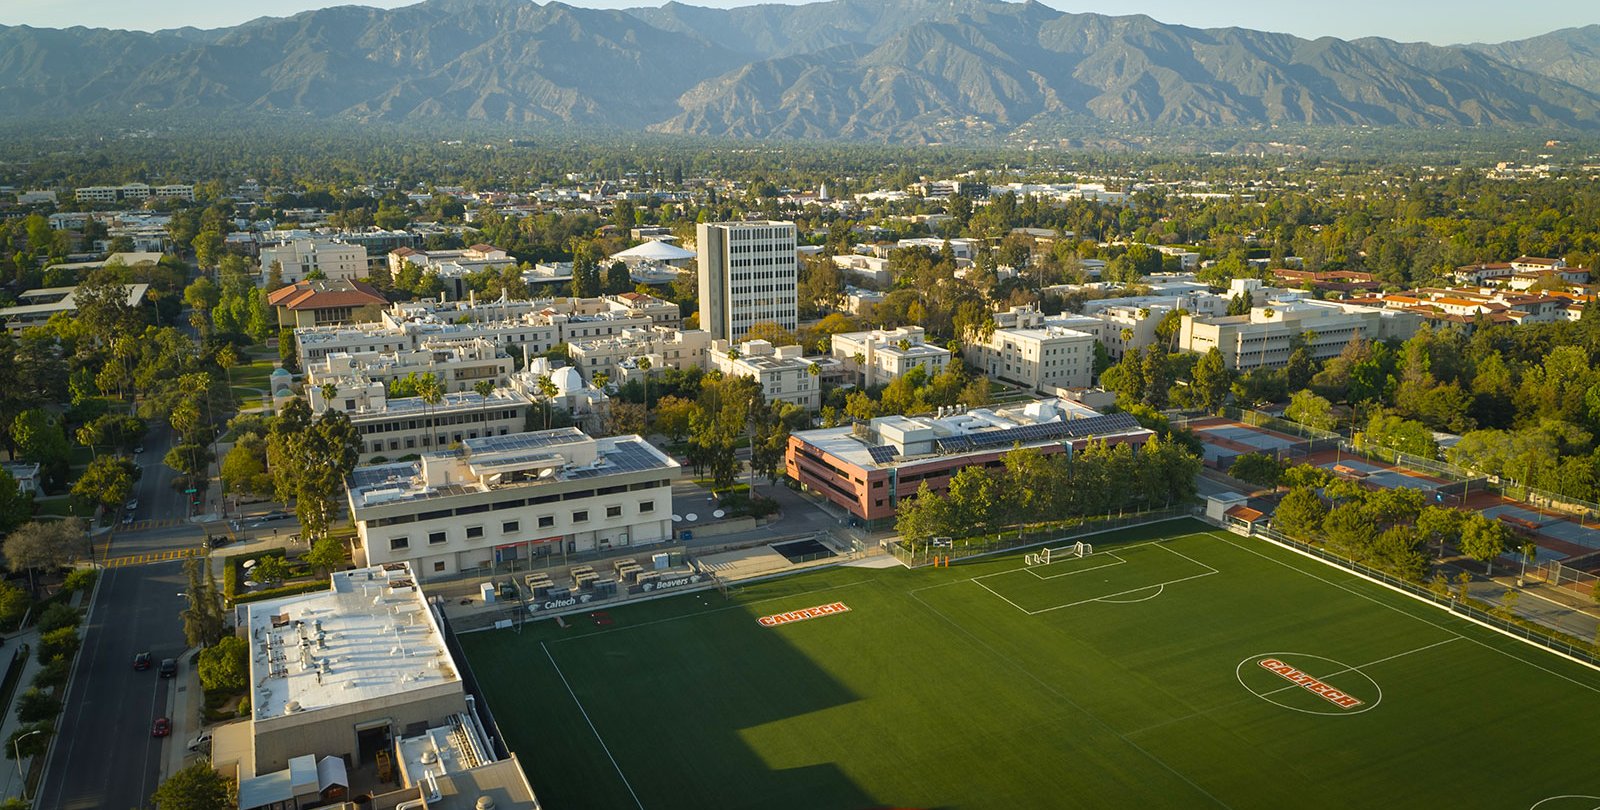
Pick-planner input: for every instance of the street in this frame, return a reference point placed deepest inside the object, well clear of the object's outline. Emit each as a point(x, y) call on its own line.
point(105, 756)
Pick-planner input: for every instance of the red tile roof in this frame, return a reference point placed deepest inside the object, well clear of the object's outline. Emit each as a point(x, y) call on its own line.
point(323, 294)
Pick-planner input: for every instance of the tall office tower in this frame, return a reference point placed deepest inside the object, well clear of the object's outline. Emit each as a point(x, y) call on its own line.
point(748, 274)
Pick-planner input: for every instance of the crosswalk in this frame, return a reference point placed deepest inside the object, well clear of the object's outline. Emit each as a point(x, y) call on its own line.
point(141, 525)
point(152, 557)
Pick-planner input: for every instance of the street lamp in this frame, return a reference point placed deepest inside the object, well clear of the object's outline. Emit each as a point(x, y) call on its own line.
point(16, 754)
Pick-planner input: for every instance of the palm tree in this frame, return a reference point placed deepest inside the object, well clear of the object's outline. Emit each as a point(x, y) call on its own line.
point(432, 393)
point(600, 378)
point(644, 365)
point(483, 387)
point(329, 391)
point(547, 392)
point(226, 360)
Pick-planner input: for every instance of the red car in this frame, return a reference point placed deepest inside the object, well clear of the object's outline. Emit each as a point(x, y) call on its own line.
point(162, 727)
point(141, 662)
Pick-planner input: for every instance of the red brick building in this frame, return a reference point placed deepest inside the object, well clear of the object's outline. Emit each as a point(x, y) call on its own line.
point(868, 468)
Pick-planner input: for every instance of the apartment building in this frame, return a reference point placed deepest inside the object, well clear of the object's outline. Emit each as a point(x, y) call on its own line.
point(326, 302)
point(748, 273)
point(497, 500)
point(885, 355)
point(784, 374)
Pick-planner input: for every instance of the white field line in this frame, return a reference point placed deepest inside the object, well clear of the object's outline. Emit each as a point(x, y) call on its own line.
point(1161, 544)
point(699, 614)
point(1482, 644)
point(1360, 667)
point(1037, 575)
point(596, 731)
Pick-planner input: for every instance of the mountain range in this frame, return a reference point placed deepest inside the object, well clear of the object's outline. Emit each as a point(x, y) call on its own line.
point(902, 70)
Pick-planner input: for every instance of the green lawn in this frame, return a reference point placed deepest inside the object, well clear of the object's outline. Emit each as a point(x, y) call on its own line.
point(1132, 677)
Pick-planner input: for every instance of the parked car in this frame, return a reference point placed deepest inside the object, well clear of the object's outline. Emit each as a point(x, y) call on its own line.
point(138, 450)
point(127, 519)
point(168, 668)
point(203, 740)
point(161, 728)
point(270, 517)
point(141, 662)
point(132, 505)
point(215, 541)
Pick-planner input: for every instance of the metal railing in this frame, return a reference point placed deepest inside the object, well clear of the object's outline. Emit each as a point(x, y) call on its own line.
point(1448, 600)
point(919, 553)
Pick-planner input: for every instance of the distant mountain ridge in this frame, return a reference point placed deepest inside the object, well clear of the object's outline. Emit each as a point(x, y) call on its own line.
point(916, 70)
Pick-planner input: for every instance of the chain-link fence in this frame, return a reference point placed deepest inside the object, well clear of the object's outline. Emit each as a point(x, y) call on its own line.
point(939, 551)
point(1574, 648)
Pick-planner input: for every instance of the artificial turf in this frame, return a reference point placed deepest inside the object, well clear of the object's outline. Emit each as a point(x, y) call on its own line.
point(1131, 677)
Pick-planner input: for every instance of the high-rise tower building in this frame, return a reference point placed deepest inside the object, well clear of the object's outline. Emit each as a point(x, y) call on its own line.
point(747, 275)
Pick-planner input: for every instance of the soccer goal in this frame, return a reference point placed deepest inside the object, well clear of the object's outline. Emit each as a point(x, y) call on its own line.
point(1045, 555)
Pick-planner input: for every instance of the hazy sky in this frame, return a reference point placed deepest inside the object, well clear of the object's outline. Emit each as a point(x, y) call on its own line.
point(1438, 21)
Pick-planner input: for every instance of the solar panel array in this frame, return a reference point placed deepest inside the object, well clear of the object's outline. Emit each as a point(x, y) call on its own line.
point(625, 456)
point(524, 441)
point(1026, 434)
point(882, 453)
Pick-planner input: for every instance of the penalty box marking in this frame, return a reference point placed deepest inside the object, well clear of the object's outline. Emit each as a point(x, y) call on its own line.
point(1076, 569)
point(1157, 543)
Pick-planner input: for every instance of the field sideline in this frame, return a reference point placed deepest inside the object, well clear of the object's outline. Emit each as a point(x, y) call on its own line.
point(1176, 666)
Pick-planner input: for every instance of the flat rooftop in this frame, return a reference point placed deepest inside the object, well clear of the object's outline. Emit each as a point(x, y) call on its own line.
point(529, 459)
point(462, 402)
point(370, 635)
point(981, 430)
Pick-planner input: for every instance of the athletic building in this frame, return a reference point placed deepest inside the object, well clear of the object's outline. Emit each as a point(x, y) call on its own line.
point(497, 500)
point(748, 275)
point(867, 468)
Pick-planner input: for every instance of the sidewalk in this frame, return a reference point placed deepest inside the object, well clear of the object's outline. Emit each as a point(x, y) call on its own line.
point(10, 783)
point(185, 703)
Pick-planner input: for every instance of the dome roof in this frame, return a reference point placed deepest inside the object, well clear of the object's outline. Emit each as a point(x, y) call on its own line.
point(567, 379)
point(655, 251)
point(281, 372)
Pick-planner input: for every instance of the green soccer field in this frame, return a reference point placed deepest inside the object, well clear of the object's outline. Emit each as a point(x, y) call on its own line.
point(1175, 666)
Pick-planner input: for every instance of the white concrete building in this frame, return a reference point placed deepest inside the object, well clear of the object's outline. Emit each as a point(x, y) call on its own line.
point(784, 374)
point(300, 257)
point(748, 274)
point(518, 326)
point(586, 404)
point(391, 428)
point(459, 365)
point(1265, 337)
point(666, 347)
point(1028, 349)
point(342, 672)
point(37, 307)
point(884, 355)
point(873, 269)
point(508, 498)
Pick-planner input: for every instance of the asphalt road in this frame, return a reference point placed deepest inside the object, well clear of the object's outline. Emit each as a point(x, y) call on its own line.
point(105, 756)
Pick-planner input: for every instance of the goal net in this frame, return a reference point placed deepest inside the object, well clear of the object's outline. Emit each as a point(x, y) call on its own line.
point(1044, 556)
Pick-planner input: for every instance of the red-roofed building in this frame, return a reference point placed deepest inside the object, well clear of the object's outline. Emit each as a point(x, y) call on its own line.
point(326, 303)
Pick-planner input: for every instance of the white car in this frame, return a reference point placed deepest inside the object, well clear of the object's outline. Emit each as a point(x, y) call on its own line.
point(201, 741)
point(132, 505)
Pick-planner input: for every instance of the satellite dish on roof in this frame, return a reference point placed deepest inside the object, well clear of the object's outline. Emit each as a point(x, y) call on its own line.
point(718, 514)
point(677, 518)
point(547, 472)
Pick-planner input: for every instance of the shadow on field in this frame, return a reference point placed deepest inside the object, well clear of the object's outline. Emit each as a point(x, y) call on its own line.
point(677, 693)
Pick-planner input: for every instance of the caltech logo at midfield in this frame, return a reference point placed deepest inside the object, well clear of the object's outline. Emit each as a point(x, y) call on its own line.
point(801, 615)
